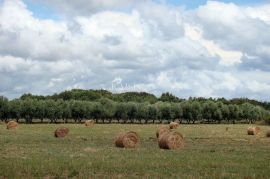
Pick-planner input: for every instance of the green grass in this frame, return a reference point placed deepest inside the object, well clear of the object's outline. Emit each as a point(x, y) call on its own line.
point(31, 151)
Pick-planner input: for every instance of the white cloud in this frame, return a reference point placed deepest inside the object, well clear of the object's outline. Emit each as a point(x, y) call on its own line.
point(227, 57)
point(243, 29)
point(216, 50)
point(262, 13)
point(110, 23)
point(257, 87)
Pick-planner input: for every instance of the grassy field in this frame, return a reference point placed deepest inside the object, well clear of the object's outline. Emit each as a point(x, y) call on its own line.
point(31, 151)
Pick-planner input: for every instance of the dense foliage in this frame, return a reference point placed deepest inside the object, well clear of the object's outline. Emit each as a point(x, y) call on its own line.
point(93, 95)
point(131, 107)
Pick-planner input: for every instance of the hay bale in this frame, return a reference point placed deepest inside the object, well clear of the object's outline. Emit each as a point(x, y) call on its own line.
point(89, 123)
point(257, 129)
point(253, 130)
point(174, 125)
point(127, 140)
point(162, 130)
point(250, 131)
point(12, 125)
point(171, 140)
point(61, 132)
point(268, 133)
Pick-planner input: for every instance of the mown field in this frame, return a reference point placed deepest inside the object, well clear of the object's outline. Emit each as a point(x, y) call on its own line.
point(211, 151)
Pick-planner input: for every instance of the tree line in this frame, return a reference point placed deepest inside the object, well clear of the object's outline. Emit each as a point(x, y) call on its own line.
point(105, 110)
point(93, 95)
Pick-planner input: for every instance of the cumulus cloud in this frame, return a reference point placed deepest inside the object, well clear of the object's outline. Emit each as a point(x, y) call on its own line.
point(219, 49)
point(243, 29)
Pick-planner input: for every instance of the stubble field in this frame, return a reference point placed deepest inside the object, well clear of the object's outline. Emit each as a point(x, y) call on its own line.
point(210, 151)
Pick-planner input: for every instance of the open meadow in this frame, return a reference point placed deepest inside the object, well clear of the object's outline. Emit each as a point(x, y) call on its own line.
point(211, 151)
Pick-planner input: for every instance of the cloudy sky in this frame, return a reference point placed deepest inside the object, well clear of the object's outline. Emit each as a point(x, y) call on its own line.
point(189, 48)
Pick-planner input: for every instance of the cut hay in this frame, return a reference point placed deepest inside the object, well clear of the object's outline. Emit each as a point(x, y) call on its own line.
point(257, 129)
point(253, 130)
point(89, 149)
point(174, 125)
point(89, 123)
point(61, 132)
point(162, 130)
point(127, 140)
point(268, 133)
point(171, 140)
point(12, 125)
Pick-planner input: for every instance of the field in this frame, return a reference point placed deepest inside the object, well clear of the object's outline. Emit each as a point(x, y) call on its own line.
point(211, 151)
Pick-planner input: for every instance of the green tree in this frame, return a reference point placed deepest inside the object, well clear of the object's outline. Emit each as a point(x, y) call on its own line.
point(209, 109)
point(66, 110)
point(50, 110)
point(165, 111)
point(187, 111)
point(234, 112)
point(168, 97)
point(3, 108)
point(196, 111)
point(152, 112)
point(40, 110)
point(225, 112)
point(107, 108)
point(121, 112)
point(177, 111)
point(28, 111)
point(15, 109)
point(132, 111)
point(142, 113)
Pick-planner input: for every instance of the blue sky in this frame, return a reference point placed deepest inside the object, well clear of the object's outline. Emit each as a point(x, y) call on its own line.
point(43, 11)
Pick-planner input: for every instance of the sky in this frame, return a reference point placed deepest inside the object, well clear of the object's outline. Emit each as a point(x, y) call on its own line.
point(188, 48)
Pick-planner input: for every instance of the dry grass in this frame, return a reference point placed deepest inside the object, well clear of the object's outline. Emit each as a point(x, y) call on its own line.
point(209, 152)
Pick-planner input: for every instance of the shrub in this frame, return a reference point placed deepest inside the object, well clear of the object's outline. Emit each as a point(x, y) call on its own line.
point(267, 119)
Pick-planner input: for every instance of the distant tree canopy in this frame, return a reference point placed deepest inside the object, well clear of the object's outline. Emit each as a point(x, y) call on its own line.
point(94, 95)
point(168, 97)
point(130, 107)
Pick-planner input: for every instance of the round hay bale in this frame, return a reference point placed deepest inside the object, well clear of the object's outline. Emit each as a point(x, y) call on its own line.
point(127, 140)
point(250, 131)
point(171, 140)
point(268, 133)
point(253, 130)
point(174, 125)
point(61, 132)
point(257, 129)
point(12, 125)
point(162, 130)
point(89, 123)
